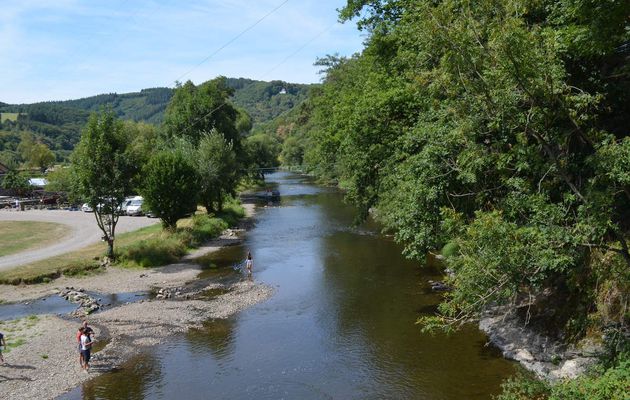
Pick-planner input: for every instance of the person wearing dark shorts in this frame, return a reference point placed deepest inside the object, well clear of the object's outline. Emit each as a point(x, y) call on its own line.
point(89, 332)
point(86, 347)
point(3, 345)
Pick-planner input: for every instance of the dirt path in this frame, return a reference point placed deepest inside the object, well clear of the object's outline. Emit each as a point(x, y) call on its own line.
point(84, 232)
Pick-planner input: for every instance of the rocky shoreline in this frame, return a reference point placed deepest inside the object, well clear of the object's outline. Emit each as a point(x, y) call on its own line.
point(547, 358)
point(46, 364)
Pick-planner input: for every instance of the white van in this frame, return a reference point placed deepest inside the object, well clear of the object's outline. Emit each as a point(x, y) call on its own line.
point(134, 207)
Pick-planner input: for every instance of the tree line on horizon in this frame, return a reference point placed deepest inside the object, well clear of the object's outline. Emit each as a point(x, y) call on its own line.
point(58, 124)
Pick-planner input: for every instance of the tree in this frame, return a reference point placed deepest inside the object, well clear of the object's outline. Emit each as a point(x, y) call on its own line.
point(17, 182)
point(262, 152)
point(36, 154)
point(217, 169)
point(292, 152)
point(170, 186)
point(194, 110)
point(104, 169)
point(500, 127)
point(63, 180)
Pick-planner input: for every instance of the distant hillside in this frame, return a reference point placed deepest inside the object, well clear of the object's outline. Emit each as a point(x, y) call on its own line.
point(265, 101)
point(59, 123)
point(148, 105)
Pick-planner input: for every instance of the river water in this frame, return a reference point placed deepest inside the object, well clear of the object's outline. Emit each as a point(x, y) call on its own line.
point(340, 325)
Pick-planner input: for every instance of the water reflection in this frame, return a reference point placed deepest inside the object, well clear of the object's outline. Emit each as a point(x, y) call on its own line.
point(135, 380)
point(341, 324)
point(216, 336)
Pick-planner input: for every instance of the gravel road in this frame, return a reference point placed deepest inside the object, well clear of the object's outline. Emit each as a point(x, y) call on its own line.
point(84, 232)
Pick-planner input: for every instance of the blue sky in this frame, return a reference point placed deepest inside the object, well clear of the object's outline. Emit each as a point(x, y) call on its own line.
point(67, 49)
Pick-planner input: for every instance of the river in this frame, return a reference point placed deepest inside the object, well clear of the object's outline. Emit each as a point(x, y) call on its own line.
point(341, 324)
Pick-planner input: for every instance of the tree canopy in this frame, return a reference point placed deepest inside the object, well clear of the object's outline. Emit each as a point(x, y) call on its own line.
point(500, 127)
point(104, 169)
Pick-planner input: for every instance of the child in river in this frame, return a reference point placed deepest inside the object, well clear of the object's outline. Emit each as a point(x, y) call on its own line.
point(3, 345)
point(249, 263)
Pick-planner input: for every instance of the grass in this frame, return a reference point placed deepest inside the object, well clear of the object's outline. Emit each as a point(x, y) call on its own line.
point(8, 117)
point(18, 236)
point(146, 247)
point(15, 331)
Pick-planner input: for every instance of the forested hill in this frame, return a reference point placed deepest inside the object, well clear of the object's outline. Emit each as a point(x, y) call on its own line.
point(59, 123)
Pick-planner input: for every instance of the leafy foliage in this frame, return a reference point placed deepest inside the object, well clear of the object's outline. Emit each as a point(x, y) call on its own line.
point(170, 186)
point(58, 124)
point(498, 126)
point(16, 182)
point(217, 169)
point(611, 384)
point(104, 170)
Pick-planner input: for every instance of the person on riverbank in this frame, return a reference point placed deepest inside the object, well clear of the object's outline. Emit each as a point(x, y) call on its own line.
point(86, 347)
point(3, 346)
point(84, 329)
point(249, 263)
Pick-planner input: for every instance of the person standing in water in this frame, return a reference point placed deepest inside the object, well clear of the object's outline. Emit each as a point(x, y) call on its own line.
point(249, 263)
point(3, 345)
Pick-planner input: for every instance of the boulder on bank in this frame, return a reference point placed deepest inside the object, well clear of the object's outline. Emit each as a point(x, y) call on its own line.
point(547, 358)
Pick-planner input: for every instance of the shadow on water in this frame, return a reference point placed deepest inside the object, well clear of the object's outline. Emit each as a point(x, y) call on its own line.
point(341, 324)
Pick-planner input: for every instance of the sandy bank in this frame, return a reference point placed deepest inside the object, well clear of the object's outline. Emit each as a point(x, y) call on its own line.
point(46, 364)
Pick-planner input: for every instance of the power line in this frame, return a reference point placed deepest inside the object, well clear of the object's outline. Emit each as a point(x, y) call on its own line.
point(232, 40)
point(298, 50)
point(266, 73)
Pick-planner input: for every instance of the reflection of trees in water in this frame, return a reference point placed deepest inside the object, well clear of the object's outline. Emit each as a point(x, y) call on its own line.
point(217, 336)
point(131, 382)
point(373, 298)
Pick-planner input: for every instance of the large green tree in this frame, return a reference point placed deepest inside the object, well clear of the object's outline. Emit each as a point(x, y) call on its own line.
point(217, 169)
point(104, 169)
point(499, 126)
point(194, 110)
point(35, 153)
point(170, 186)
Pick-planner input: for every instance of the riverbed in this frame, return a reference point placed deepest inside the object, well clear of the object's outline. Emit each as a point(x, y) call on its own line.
point(341, 324)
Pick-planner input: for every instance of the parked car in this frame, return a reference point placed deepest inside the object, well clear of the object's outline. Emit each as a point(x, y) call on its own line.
point(122, 208)
point(86, 208)
point(150, 214)
point(135, 206)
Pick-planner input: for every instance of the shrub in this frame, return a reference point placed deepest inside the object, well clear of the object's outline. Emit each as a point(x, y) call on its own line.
point(205, 228)
point(163, 250)
point(611, 384)
point(450, 249)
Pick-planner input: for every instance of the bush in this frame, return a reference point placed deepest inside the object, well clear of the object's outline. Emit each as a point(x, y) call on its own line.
point(611, 384)
point(232, 213)
point(450, 249)
point(163, 250)
point(614, 384)
point(524, 387)
point(205, 228)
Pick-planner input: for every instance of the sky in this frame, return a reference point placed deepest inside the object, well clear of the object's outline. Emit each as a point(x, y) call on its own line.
point(68, 49)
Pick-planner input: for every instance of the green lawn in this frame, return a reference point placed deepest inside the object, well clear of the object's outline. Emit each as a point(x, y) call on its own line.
point(22, 235)
point(78, 261)
point(8, 117)
point(149, 246)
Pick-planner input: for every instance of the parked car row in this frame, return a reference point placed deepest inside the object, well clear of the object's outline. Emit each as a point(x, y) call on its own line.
point(130, 206)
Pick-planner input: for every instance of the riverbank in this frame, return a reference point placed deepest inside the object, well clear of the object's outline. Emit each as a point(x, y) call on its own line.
point(45, 365)
point(548, 359)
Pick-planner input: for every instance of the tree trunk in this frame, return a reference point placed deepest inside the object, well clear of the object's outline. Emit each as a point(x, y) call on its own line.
point(110, 248)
